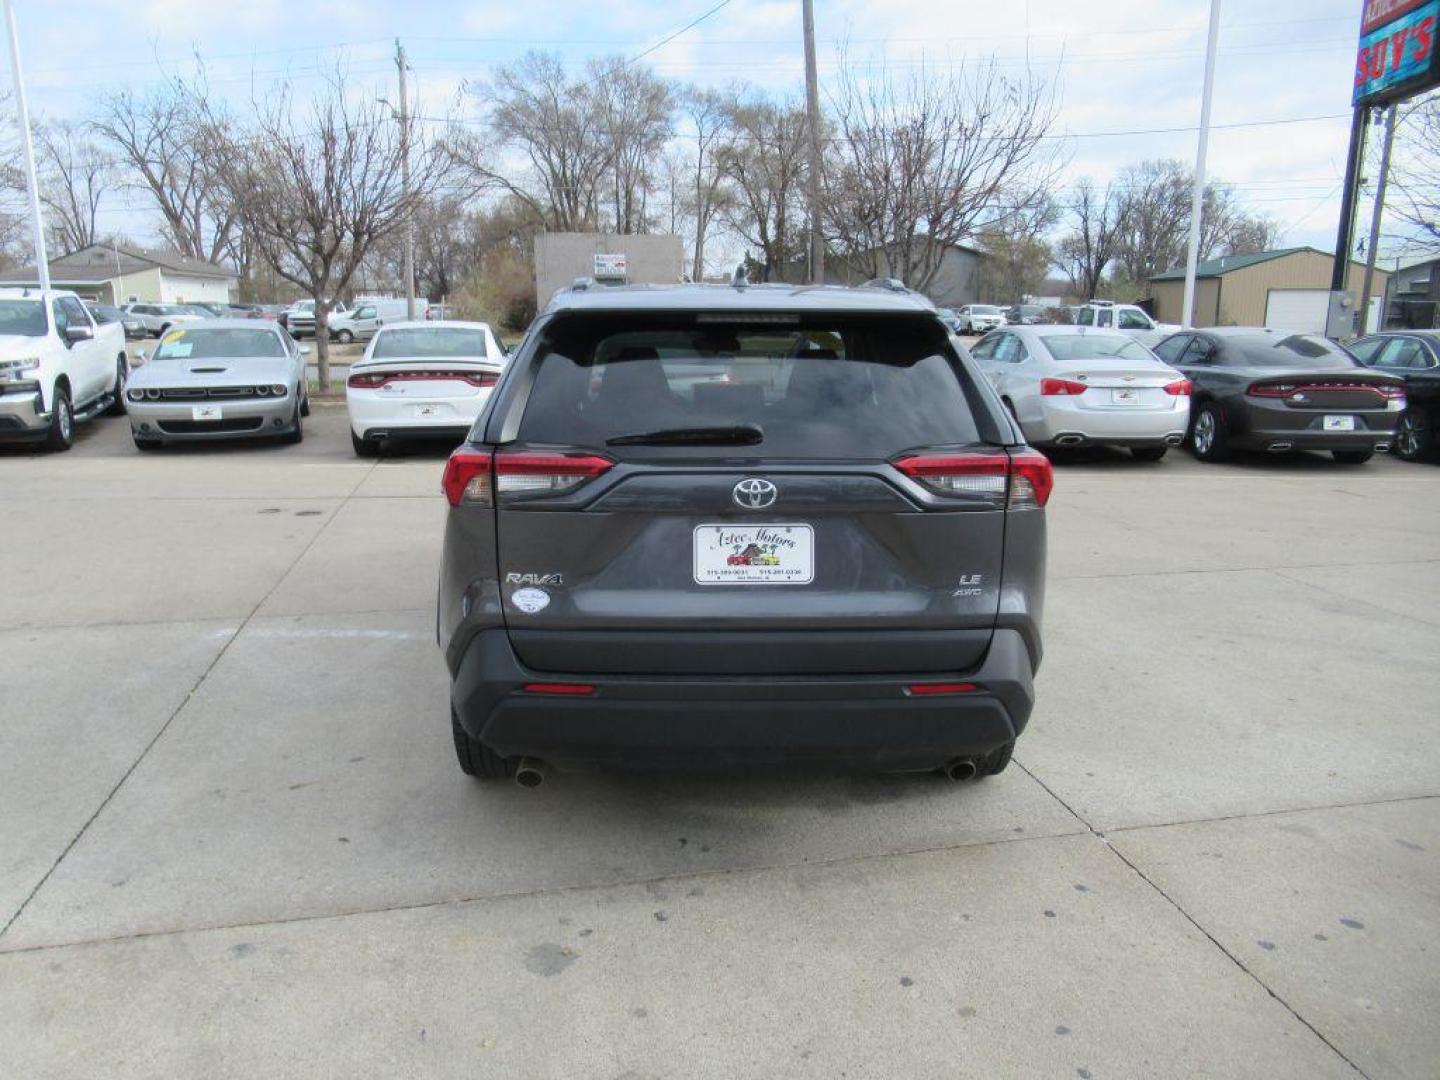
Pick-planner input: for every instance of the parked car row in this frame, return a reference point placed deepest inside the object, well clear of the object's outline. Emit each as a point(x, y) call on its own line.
point(1222, 389)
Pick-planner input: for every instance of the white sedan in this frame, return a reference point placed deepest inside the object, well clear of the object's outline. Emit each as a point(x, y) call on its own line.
point(1076, 386)
point(421, 379)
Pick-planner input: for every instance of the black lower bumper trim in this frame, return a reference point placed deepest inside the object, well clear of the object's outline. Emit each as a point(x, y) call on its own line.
point(708, 722)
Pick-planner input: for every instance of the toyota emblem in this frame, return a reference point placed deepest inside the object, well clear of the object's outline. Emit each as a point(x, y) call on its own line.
point(755, 494)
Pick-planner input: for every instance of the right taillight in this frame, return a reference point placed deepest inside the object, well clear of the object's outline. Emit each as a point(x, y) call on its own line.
point(1020, 480)
point(1031, 479)
point(529, 473)
point(1179, 388)
point(1061, 387)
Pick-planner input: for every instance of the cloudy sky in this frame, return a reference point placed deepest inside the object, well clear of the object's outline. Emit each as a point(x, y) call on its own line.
point(1125, 67)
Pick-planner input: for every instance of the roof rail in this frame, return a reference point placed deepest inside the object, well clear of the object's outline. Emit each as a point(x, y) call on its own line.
point(893, 284)
point(580, 284)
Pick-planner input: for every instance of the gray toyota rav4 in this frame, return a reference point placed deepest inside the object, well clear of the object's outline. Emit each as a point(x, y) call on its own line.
point(712, 525)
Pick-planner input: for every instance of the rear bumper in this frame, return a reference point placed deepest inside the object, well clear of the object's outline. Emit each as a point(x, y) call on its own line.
point(1065, 421)
point(378, 414)
point(716, 721)
point(1268, 426)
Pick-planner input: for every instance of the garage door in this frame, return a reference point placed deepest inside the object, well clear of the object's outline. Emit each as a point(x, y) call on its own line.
point(1297, 311)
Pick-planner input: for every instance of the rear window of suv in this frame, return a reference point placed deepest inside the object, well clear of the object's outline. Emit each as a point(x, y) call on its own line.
point(854, 387)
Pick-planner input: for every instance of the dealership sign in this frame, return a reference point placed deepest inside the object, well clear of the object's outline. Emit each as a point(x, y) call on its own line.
point(1397, 57)
point(611, 266)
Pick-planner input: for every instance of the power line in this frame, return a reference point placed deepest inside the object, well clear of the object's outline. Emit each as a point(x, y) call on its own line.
point(688, 26)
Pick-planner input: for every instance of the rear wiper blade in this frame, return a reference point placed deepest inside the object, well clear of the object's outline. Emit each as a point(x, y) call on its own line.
point(740, 435)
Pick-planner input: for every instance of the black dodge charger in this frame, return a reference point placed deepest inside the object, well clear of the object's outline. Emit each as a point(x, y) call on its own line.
point(1259, 389)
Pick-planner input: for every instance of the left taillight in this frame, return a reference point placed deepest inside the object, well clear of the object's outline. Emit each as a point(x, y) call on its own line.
point(468, 478)
point(1019, 480)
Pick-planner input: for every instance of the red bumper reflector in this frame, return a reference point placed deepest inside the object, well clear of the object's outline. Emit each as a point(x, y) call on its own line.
point(564, 689)
point(931, 689)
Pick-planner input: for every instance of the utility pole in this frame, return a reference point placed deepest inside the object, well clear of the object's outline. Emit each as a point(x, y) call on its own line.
point(405, 182)
point(812, 112)
point(27, 144)
point(1375, 224)
point(1197, 198)
point(1354, 162)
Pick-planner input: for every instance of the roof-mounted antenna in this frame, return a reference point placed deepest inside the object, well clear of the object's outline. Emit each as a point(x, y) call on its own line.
point(741, 278)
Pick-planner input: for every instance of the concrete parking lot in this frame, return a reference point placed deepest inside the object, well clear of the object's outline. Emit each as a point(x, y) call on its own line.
point(236, 843)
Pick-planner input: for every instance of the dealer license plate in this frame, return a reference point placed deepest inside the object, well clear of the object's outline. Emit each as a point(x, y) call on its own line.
point(754, 554)
point(206, 412)
point(1339, 423)
point(1125, 397)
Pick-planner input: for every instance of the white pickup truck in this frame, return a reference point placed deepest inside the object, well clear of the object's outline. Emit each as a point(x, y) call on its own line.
point(58, 367)
point(1127, 318)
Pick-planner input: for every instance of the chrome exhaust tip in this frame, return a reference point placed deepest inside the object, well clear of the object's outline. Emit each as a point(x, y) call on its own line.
point(1174, 440)
point(531, 772)
point(1280, 447)
point(1069, 440)
point(961, 769)
point(1382, 447)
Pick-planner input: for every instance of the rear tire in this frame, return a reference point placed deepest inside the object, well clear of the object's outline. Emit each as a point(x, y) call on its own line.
point(366, 448)
point(344, 337)
point(61, 435)
point(305, 403)
point(1413, 436)
point(1209, 440)
point(476, 759)
point(117, 407)
point(1352, 457)
point(996, 761)
point(1148, 453)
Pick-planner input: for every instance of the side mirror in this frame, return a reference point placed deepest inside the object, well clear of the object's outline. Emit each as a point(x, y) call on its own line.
point(305, 350)
point(79, 332)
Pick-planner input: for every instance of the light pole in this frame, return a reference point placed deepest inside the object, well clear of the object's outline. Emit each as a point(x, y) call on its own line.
point(1197, 198)
point(22, 110)
point(812, 112)
point(405, 182)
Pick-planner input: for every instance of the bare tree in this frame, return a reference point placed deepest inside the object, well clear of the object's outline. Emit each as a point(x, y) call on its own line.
point(635, 110)
point(1417, 166)
point(318, 185)
point(1156, 227)
point(920, 161)
point(765, 161)
point(550, 122)
point(1098, 228)
point(74, 178)
point(1018, 255)
point(709, 113)
point(163, 137)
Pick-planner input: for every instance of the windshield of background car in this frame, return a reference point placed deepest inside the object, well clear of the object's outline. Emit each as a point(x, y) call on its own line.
point(171, 309)
point(1078, 348)
point(219, 345)
point(425, 343)
point(102, 313)
point(24, 318)
point(1298, 350)
point(818, 387)
point(984, 309)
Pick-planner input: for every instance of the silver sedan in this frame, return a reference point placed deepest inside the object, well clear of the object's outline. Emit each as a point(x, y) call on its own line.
point(1076, 386)
point(219, 379)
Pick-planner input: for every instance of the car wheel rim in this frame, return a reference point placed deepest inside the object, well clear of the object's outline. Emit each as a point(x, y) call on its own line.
point(65, 421)
point(1204, 432)
point(1405, 438)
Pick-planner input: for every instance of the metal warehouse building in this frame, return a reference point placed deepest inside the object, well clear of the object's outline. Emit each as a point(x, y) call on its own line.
point(1288, 289)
